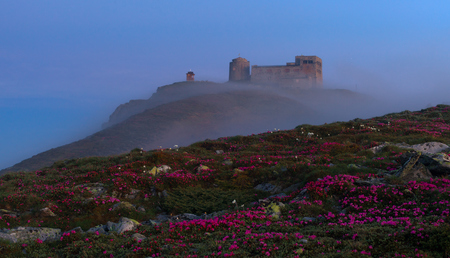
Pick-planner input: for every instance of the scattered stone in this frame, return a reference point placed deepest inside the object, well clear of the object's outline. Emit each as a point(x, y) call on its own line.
point(123, 205)
point(413, 169)
point(370, 181)
point(280, 195)
point(227, 162)
point(237, 171)
point(267, 187)
point(115, 194)
point(151, 223)
point(8, 237)
point(164, 169)
point(430, 147)
point(96, 190)
point(74, 230)
point(98, 229)
point(163, 217)
point(23, 234)
point(8, 212)
point(292, 188)
point(163, 194)
point(110, 226)
point(141, 209)
point(219, 151)
point(185, 217)
point(201, 168)
point(158, 170)
point(133, 194)
point(138, 237)
point(438, 163)
point(273, 209)
point(126, 224)
point(47, 212)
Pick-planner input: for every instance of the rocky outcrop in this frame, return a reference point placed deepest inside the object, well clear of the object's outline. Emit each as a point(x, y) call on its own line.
point(267, 187)
point(428, 147)
point(414, 170)
point(438, 164)
point(24, 234)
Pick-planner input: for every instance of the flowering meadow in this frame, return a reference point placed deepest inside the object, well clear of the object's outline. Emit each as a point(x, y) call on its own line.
point(333, 196)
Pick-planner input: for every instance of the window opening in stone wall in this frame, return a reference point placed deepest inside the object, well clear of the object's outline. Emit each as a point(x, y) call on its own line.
point(310, 61)
point(305, 61)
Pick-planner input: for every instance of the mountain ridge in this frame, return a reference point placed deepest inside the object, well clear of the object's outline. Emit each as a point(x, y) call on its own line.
point(210, 110)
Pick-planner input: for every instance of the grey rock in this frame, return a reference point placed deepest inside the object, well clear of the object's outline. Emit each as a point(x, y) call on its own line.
point(189, 216)
point(8, 237)
point(138, 237)
point(110, 226)
point(227, 162)
point(164, 169)
point(8, 212)
point(201, 168)
point(141, 209)
point(76, 230)
point(98, 229)
point(378, 148)
point(292, 188)
point(133, 194)
point(152, 222)
point(219, 151)
point(47, 212)
point(267, 187)
point(163, 194)
point(309, 219)
point(438, 163)
point(22, 234)
point(413, 169)
point(370, 181)
point(126, 224)
point(277, 195)
point(162, 217)
point(123, 205)
point(430, 147)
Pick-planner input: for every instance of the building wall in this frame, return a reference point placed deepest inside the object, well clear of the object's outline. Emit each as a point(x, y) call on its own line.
point(305, 72)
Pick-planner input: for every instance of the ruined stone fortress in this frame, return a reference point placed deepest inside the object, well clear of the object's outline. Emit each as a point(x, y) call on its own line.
point(304, 73)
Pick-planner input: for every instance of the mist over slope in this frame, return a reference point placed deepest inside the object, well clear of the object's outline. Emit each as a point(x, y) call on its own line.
point(182, 113)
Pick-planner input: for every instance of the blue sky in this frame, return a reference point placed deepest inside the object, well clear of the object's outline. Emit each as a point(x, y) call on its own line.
point(65, 65)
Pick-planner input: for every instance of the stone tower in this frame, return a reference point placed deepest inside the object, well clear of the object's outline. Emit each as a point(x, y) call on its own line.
point(190, 76)
point(239, 70)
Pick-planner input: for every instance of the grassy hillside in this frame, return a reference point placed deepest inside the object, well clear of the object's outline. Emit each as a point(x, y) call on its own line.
point(181, 122)
point(332, 195)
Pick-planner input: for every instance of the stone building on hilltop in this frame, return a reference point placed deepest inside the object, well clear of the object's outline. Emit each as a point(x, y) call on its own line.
point(239, 69)
point(305, 73)
point(190, 76)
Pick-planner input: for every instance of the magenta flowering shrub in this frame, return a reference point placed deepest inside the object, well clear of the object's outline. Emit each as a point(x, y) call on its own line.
point(328, 214)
